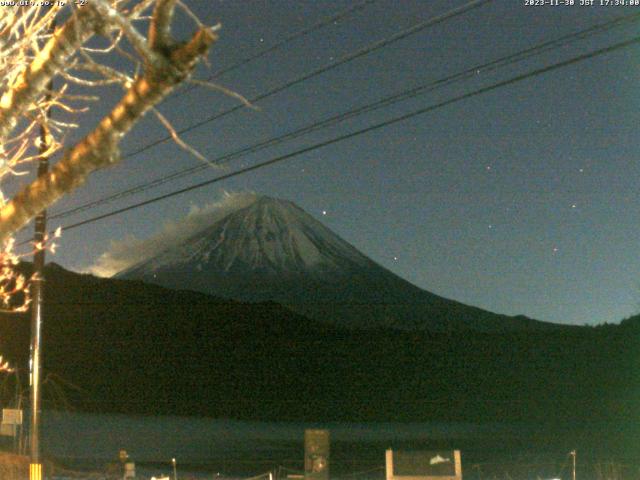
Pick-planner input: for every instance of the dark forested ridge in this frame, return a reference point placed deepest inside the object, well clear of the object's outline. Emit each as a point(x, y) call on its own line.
point(271, 250)
point(137, 348)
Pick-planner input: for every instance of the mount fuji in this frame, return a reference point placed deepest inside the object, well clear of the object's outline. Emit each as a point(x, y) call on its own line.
point(269, 249)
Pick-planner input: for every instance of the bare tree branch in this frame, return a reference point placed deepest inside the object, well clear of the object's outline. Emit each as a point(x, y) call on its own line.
point(31, 56)
point(99, 148)
point(50, 60)
point(112, 16)
point(160, 27)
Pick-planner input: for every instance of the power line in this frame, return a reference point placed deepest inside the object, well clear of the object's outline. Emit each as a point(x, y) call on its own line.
point(371, 128)
point(288, 39)
point(404, 95)
point(330, 66)
point(295, 36)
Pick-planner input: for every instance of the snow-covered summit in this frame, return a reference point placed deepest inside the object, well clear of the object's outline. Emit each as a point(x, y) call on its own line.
point(263, 234)
point(254, 248)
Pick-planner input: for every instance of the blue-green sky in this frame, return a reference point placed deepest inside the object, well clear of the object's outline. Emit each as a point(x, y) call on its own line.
point(523, 200)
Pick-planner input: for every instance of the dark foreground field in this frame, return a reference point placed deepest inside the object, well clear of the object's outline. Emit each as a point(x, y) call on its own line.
point(145, 352)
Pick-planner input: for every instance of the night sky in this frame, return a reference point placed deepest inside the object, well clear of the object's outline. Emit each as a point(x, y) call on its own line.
point(522, 200)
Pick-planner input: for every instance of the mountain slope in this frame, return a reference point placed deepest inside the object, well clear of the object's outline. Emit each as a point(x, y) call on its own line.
point(271, 250)
point(136, 348)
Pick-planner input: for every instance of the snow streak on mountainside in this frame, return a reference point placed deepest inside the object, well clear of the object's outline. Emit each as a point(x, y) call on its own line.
point(267, 249)
point(273, 237)
point(130, 251)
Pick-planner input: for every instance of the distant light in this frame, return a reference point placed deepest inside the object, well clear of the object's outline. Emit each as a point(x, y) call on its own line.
point(324, 212)
point(395, 258)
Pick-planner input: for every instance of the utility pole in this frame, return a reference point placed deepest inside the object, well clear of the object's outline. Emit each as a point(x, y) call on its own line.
point(573, 471)
point(37, 285)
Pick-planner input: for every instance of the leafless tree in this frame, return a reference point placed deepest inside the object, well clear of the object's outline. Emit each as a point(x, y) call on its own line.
point(78, 55)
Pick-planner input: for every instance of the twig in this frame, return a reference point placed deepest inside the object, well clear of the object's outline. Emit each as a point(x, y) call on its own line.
point(176, 138)
point(226, 91)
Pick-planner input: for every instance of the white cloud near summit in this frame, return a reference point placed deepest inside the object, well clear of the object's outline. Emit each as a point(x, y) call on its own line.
point(130, 251)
